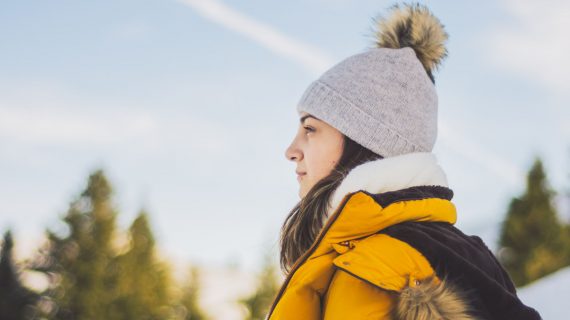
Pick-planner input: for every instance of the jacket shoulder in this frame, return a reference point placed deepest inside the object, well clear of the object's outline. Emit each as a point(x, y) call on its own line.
point(383, 261)
point(394, 266)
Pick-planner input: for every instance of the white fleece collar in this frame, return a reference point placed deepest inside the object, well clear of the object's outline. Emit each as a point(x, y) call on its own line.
point(391, 174)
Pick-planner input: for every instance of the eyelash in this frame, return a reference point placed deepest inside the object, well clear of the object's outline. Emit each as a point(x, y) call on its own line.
point(309, 129)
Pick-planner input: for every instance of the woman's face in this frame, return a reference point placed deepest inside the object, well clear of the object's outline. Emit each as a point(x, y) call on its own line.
point(316, 148)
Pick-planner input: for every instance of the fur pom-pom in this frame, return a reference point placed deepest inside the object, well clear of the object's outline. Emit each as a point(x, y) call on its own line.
point(431, 299)
point(416, 27)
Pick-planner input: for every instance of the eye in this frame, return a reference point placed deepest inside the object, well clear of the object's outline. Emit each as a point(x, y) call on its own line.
point(309, 129)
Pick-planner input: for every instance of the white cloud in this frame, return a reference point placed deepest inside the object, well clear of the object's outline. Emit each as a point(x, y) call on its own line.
point(533, 42)
point(74, 125)
point(309, 57)
point(46, 113)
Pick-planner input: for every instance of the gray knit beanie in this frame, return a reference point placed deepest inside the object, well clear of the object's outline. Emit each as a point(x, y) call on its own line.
point(385, 98)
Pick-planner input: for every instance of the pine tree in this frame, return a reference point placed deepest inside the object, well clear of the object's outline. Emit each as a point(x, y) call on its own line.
point(79, 263)
point(258, 302)
point(93, 277)
point(16, 301)
point(144, 281)
point(532, 239)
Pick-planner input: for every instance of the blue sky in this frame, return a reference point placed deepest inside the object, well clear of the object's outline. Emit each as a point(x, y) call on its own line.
point(189, 105)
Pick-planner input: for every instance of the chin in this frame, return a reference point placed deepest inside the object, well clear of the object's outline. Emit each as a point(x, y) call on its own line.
point(302, 193)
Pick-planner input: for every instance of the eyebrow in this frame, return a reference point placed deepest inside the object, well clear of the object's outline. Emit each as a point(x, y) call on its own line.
point(307, 116)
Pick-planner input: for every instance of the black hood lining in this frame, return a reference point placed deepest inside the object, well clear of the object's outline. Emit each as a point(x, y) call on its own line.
point(412, 193)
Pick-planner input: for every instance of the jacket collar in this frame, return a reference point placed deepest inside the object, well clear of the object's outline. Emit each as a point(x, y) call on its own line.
point(363, 201)
point(391, 174)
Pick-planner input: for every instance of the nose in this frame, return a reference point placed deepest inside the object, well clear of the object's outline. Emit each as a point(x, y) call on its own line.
point(293, 153)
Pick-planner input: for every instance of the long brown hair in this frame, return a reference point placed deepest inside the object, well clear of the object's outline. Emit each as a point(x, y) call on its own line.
point(305, 220)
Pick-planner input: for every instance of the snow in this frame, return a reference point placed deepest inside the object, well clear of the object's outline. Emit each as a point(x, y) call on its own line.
point(549, 295)
point(222, 287)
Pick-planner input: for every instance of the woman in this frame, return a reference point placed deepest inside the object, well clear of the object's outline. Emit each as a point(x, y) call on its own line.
point(373, 235)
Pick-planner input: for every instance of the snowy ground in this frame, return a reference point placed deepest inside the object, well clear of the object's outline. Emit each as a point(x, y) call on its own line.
point(221, 289)
point(549, 295)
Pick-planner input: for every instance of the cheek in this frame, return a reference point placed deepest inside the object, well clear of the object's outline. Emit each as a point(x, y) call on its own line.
point(325, 162)
point(334, 152)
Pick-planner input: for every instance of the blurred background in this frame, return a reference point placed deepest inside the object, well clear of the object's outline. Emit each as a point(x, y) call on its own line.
point(151, 134)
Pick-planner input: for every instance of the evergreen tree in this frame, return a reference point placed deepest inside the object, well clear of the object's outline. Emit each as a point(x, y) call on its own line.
point(566, 214)
point(191, 309)
point(532, 239)
point(259, 302)
point(79, 263)
point(92, 277)
point(144, 281)
point(16, 301)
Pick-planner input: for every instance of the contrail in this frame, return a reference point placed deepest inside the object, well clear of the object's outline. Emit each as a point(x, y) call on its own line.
point(502, 168)
point(317, 62)
point(309, 57)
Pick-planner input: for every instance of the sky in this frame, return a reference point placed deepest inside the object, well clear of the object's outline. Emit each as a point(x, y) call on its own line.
point(189, 105)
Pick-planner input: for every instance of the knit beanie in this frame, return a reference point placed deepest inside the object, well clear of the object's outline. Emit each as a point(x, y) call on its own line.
point(385, 98)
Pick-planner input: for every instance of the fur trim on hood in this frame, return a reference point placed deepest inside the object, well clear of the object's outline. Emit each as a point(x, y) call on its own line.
point(391, 174)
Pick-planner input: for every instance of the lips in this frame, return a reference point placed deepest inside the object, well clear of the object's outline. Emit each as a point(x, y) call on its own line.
point(300, 175)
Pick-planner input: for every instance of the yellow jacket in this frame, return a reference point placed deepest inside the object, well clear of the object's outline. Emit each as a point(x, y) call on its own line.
point(350, 243)
point(363, 265)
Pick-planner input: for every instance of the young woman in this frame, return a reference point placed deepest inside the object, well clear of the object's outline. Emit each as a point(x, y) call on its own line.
point(373, 236)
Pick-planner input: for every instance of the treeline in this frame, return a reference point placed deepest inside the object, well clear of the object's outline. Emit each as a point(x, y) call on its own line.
point(95, 271)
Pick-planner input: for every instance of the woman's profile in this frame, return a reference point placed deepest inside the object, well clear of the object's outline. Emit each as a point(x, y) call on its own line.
point(373, 235)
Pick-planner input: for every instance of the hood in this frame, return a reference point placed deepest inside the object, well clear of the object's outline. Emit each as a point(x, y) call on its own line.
point(391, 174)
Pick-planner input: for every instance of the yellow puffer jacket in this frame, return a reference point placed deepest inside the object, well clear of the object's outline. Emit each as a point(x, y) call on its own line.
point(389, 250)
point(351, 271)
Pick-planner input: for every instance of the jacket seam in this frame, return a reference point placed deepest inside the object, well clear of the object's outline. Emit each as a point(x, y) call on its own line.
point(362, 279)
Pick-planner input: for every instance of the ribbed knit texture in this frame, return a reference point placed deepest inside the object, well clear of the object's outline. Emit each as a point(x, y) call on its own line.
point(382, 98)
